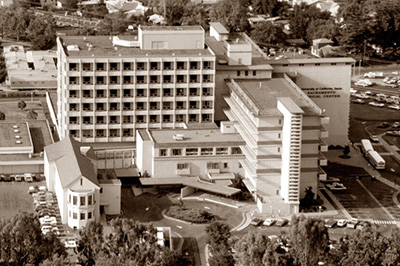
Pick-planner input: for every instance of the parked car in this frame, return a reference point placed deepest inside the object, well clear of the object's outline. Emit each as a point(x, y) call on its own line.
point(361, 96)
point(383, 125)
point(330, 223)
point(394, 107)
point(341, 223)
point(374, 138)
point(396, 124)
point(391, 85)
point(32, 189)
point(18, 178)
point(269, 221)
point(48, 220)
point(336, 186)
point(352, 223)
point(395, 133)
point(376, 104)
point(363, 225)
point(42, 188)
point(28, 177)
point(7, 178)
point(256, 221)
point(359, 101)
point(282, 222)
point(46, 229)
point(70, 243)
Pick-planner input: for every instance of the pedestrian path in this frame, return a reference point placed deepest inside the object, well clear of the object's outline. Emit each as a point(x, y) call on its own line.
point(384, 222)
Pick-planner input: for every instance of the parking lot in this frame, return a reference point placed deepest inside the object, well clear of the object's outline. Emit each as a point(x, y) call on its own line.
point(14, 198)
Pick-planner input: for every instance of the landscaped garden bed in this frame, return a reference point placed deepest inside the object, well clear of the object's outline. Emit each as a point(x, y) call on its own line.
point(191, 215)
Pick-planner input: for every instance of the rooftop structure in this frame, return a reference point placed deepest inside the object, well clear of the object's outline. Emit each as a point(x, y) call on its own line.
point(31, 69)
point(15, 138)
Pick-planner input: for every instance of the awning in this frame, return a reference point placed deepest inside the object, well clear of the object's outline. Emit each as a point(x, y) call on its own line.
point(249, 185)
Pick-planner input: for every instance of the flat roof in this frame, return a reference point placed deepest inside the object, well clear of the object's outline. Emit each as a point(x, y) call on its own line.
point(203, 137)
point(219, 27)
point(190, 182)
point(103, 47)
point(171, 28)
point(264, 94)
point(7, 135)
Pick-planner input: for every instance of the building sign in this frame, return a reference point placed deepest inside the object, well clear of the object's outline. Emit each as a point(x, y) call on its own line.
point(322, 92)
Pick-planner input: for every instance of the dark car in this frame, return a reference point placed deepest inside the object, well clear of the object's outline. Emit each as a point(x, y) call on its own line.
point(330, 223)
point(256, 221)
point(282, 222)
point(383, 125)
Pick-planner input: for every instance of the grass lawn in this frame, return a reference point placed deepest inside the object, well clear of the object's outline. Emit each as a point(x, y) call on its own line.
point(14, 198)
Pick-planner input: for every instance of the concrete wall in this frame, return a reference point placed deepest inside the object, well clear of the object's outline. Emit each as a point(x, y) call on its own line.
point(111, 198)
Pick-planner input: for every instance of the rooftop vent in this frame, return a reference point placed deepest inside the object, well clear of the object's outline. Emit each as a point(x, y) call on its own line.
point(17, 136)
point(179, 137)
point(15, 126)
point(18, 142)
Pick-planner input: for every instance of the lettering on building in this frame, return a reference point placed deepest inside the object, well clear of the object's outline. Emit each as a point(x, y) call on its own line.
point(322, 92)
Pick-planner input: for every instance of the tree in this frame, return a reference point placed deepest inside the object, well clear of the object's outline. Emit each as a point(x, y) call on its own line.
point(346, 151)
point(172, 10)
point(22, 104)
point(32, 114)
point(2, 116)
point(268, 7)
point(18, 20)
point(218, 237)
point(22, 241)
point(232, 14)
point(194, 14)
point(251, 249)
point(41, 32)
point(308, 199)
point(309, 240)
point(268, 33)
point(90, 243)
point(56, 261)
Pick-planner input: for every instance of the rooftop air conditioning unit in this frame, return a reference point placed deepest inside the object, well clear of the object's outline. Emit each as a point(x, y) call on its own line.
point(18, 142)
point(179, 137)
point(15, 126)
point(17, 137)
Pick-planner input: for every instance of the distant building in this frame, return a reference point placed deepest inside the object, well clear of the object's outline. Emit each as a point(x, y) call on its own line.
point(318, 44)
point(31, 69)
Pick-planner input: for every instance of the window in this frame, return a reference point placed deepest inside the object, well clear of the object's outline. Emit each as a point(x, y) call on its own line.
point(154, 79)
point(333, 64)
point(153, 118)
point(75, 216)
point(154, 92)
point(193, 78)
point(207, 65)
point(82, 216)
point(193, 92)
point(75, 200)
point(140, 66)
point(114, 66)
point(167, 65)
point(166, 118)
point(193, 65)
point(180, 65)
point(127, 66)
point(176, 152)
point(206, 117)
point(167, 92)
point(206, 151)
point(193, 105)
point(100, 107)
point(182, 166)
point(246, 73)
point(163, 152)
point(180, 105)
point(114, 80)
point(280, 122)
point(73, 67)
point(180, 92)
point(301, 64)
point(153, 66)
point(100, 66)
point(86, 66)
point(89, 215)
point(279, 149)
point(180, 79)
point(140, 93)
point(207, 91)
point(81, 185)
point(90, 197)
point(180, 118)
point(83, 200)
point(100, 94)
point(101, 190)
point(225, 165)
point(193, 118)
point(127, 93)
point(317, 64)
point(212, 165)
point(69, 200)
point(254, 73)
point(285, 65)
point(222, 151)
point(240, 165)
point(167, 78)
point(140, 79)
point(114, 133)
point(192, 151)
point(236, 150)
point(100, 80)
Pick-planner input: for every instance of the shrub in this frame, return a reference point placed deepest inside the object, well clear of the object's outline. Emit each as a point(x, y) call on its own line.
point(190, 215)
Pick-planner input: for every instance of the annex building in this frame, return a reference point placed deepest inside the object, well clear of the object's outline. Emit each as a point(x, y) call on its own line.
point(164, 89)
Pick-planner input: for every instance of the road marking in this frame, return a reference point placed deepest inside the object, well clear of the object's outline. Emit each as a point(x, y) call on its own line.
point(383, 222)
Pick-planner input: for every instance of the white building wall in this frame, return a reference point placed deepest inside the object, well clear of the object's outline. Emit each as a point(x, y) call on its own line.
point(111, 198)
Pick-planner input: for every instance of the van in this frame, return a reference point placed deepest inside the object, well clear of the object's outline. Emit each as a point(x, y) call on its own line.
point(28, 177)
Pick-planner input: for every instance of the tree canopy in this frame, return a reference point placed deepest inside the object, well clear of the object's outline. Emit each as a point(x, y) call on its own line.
point(232, 14)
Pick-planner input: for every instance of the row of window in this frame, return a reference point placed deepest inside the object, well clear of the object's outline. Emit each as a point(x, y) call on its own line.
point(117, 93)
point(140, 79)
point(246, 73)
point(210, 165)
point(128, 106)
point(81, 200)
point(82, 216)
point(166, 118)
point(102, 133)
point(129, 66)
point(200, 151)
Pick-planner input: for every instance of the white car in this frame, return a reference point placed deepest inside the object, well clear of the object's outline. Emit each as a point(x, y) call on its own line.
point(28, 177)
point(42, 188)
point(70, 243)
point(341, 223)
point(46, 229)
point(269, 221)
point(361, 96)
point(353, 91)
point(336, 186)
point(391, 85)
point(394, 107)
point(352, 223)
point(376, 104)
point(48, 220)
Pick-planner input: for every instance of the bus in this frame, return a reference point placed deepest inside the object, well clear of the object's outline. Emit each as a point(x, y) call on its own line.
point(366, 146)
point(377, 161)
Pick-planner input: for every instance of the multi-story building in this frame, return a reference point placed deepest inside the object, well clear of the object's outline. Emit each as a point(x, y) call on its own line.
point(108, 87)
point(282, 129)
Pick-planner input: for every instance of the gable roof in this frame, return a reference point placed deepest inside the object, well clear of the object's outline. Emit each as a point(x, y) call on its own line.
point(70, 162)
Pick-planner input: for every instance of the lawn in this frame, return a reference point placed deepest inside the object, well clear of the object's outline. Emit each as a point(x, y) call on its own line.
point(14, 198)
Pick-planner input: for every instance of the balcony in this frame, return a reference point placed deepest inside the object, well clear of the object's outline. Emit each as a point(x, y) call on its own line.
point(325, 120)
point(322, 176)
point(322, 160)
point(324, 133)
point(183, 169)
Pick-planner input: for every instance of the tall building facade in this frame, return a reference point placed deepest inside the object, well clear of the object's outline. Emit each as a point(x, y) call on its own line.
point(108, 87)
